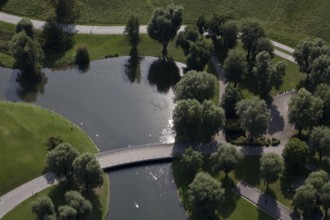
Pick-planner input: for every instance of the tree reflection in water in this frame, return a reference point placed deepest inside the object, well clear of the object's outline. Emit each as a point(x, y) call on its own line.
point(164, 74)
point(132, 67)
point(30, 84)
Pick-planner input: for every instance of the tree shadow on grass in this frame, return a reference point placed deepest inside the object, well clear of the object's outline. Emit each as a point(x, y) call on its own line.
point(230, 204)
point(248, 170)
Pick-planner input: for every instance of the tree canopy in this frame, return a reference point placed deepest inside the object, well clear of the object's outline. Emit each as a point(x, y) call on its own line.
point(320, 71)
point(317, 179)
point(199, 55)
point(231, 96)
point(304, 110)
point(25, 25)
point(192, 160)
point(43, 207)
point(235, 66)
point(271, 166)
point(82, 206)
point(323, 92)
point(186, 37)
point(132, 31)
point(295, 155)
point(164, 24)
point(320, 141)
point(204, 195)
point(304, 198)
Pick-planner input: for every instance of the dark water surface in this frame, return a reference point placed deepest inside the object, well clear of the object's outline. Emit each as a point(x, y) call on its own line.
point(118, 103)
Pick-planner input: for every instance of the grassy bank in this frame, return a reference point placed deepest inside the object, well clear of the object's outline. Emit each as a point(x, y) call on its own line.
point(24, 129)
point(287, 21)
point(99, 201)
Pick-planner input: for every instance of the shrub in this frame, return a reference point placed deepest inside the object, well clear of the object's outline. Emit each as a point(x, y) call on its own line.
point(82, 55)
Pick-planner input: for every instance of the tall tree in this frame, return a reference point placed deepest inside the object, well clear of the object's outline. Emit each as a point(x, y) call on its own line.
point(304, 110)
point(26, 51)
point(271, 166)
point(325, 197)
point(229, 34)
point(230, 98)
point(254, 116)
point(192, 160)
point(199, 55)
point(195, 85)
point(317, 179)
point(66, 11)
point(43, 207)
point(75, 200)
point(226, 158)
point(132, 30)
point(304, 198)
point(213, 120)
point(320, 141)
point(320, 71)
point(235, 66)
point(204, 195)
point(201, 24)
point(323, 92)
point(60, 159)
point(262, 44)
point(307, 51)
point(87, 172)
point(295, 155)
point(53, 141)
point(66, 212)
point(186, 37)
point(25, 25)
point(215, 27)
point(252, 31)
point(164, 25)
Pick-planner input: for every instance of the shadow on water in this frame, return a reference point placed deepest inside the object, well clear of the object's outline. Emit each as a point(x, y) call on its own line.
point(133, 67)
point(164, 74)
point(30, 84)
point(84, 68)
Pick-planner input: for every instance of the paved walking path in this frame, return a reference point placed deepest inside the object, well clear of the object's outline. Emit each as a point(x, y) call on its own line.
point(263, 201)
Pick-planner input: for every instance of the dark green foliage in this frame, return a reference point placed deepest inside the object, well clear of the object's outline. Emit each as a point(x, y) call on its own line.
point(304, 198)
point(199, 55)
point(43, 207)
point(26, 51)
point(271, 166)
point(295, 155)
point(320, 141)
point(254, 116)
point(213, 120)
point(186, 37)
point(132, 30)
point(192, 160)
point(164, 25)
point(214, 27)
point(201, 24)
point(235, 66)
point(234, 132)
point(60, 159)
point(67, 213)
point(82, 206)
point(252, 31)
point(305, 110)
point(54, 38)
point(317, 179)
point(307, 51)
point(195, 85)
point(323, 92)
point(266, 75)
point(226, 158)
point(263, 44)
point(87, 172)
point(229, 35)
point(53, 141)
point(325, 197)
point(205, 195)
point(320, 71)
point(25, 25)
point(66, 11)
point(82, 55)
point(231, 96)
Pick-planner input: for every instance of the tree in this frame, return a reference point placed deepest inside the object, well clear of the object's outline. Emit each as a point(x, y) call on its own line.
point(229, 34)
point(320, 141)
point(213, 120)
point(164, 25)
point(317, 179)
point(132, 30)
point(26, 51)
point(323, 92)
point(295, 155)
point(60, 159)
point(304, 110)
point(199, 55)
point(186, 37)
point(204, 195)
point(235, 66)
point(67, 212)
point(320, 71)
point(325, 197)
point(231, 96)
point(254, 116)
point(226, 158)
point(201, 24)
point(53, 141)
point(271, 166)
point(187, 118)
point(82, 206)
point(25, 25)
point(195, 85)
point(266, 75)
point(192, 160)
point(263, 44)
point(307, 51)
point(87, 171)
point(304, 198)
point(66, 11)
point(215, 27)
point(43, 207)
point(251, 31)
point(82, 55)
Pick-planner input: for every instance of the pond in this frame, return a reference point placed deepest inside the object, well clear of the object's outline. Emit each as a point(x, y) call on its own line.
point(118, 102)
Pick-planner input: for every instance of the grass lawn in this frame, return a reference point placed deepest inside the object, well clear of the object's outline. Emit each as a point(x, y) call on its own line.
point(99, 201)
point(286, 21)
point(24, 129)
point(234, 207)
